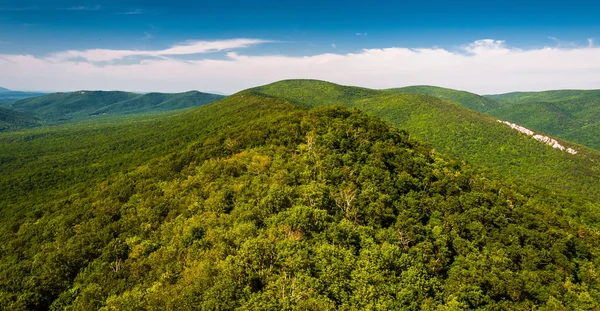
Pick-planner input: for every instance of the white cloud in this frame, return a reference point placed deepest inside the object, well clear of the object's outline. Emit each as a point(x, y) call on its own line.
point(487, 47)
point(484, 66)
point(187, 48)
point(132, 12)
point(590, 42)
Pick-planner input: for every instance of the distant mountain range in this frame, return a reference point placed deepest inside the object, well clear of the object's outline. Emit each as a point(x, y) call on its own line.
point(60, 107)
point(8, 96)
point(573, 115)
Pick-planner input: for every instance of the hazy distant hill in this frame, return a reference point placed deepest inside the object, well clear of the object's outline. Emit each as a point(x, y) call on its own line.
point(456, 130)
point(8, 96)
point(467, 99)
point(159, 102)
point(85, 104)
point(2, 90)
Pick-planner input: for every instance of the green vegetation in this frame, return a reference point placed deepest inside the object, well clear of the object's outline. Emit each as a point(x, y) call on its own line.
point(253, 203)
point(67, 106)
point(57, 107)
point(582, 96)
point(159, 102)
point(458, 131)
point(570, 114)
point(11, 120)
point(466, 99)
point(7, 97)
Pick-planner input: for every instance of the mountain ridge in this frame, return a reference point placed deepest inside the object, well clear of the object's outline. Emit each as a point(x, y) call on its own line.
point(78, 105)
point(573, 115)
point(468, 99)
point(456, 130)
point(570, 114)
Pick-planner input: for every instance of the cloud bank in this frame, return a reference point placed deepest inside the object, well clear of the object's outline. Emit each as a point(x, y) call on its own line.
point(484, 66)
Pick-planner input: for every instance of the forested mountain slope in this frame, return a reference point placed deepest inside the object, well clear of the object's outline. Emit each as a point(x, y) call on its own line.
point(453, 129)
point(86, 104)
point(10, 119)
point(570, 114)
point(160, 102)
point(583, 96)
point(466, 99)
point(261, 205)
point(573, 115)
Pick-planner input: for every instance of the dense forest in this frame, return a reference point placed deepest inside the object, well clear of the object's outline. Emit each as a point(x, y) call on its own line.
point(61, 107)
point(570, 114)
point(10, 119)
point(262, 202)
point(573, 115)
point(459, 132)
point(466, 99)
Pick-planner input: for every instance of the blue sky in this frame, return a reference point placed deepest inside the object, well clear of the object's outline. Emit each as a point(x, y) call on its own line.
point(301, 26)
point(288, 28)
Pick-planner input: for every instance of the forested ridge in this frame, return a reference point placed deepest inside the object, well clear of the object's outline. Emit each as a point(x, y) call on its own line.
point(58, 108)
point(10, 119)
point(573, 115)
point(470, 100)
point(458, 131)
point(255, 203)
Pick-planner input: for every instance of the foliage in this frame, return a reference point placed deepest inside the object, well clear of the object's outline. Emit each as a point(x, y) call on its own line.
point(159, 102)
point(569, 114)
point(266, 206)
point(79, 105)
point(470, 100)
point(573, 115)
point(458, 131)
point(10, 119)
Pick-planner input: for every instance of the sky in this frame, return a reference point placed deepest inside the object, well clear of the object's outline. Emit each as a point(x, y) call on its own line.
point(226, 46)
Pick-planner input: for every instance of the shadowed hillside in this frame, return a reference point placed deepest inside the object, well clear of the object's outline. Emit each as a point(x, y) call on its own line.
point(10, 119)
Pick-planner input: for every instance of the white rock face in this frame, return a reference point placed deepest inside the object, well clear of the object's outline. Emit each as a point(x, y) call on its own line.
point(541, 138)
point(518, 128)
